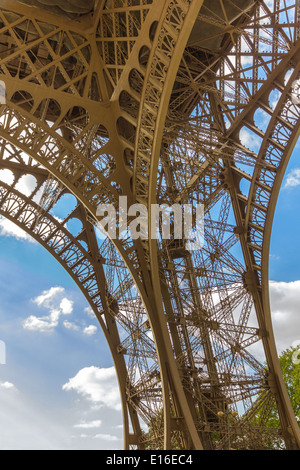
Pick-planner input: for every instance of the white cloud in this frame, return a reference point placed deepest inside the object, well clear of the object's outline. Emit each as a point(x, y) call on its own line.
point(270, 4)
point(47, 296)
point(249, 139)
point(89, 311)
point(88, 425)
point(7, 176)
point(51, 300)
point(284, 304)
point(70, 325)
point(9, 229)
point(285, 301)
point(98, 385)
point(66, 306)
point(274, 97)
point(26, 184)
point(293, 178)
point(106, 437)
point(7, 385)
point(90, 330)
point(58, 305)
point(42, 324)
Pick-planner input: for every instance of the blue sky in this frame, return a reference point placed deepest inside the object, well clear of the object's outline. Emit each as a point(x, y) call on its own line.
point(58, 387)
point(285, 252)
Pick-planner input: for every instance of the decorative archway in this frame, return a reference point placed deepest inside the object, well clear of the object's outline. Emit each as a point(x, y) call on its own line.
point(151, 100)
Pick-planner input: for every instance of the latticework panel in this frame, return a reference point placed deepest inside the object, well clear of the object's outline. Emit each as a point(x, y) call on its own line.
point(177, 102)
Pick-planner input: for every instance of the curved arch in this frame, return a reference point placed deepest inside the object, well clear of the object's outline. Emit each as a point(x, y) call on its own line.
point(84, 267)
point(250, 245)
point(132, 253)
point(258, 211)
point(67, 166)
point(263, 196)
point(65, 162)
point(191, 96)
point(166, 52)
point(150, 128)
point(288, 413)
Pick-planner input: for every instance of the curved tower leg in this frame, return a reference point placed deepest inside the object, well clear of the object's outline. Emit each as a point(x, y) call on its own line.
point(152, 101)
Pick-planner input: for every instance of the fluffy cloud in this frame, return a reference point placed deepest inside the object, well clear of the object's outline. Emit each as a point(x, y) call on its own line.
point(89, 425)
point(90, 330)
point(66, 306)
point(42, 324)
point(293, 178)
point(89, 311)
point(7, 385)
point(26, 184)
point(98, 385)
point(249, 139)
point(106, 437)
point(56, 303)
point(48, 296)
point(9, 229)
point(285, 301)
point(70, 325)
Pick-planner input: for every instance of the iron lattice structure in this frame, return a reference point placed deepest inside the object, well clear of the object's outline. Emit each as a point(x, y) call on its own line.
point(174, 102)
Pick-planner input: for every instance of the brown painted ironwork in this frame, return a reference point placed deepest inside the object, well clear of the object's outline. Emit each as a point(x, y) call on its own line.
point(164, 102)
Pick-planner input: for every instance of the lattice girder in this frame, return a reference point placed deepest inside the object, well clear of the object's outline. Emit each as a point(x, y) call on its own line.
point(94, 267)
point(149, 100)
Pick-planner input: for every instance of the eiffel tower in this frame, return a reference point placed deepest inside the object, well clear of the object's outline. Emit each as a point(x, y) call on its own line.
point(162, 102)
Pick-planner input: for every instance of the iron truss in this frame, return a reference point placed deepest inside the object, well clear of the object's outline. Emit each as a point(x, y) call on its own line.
point(174, 102)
